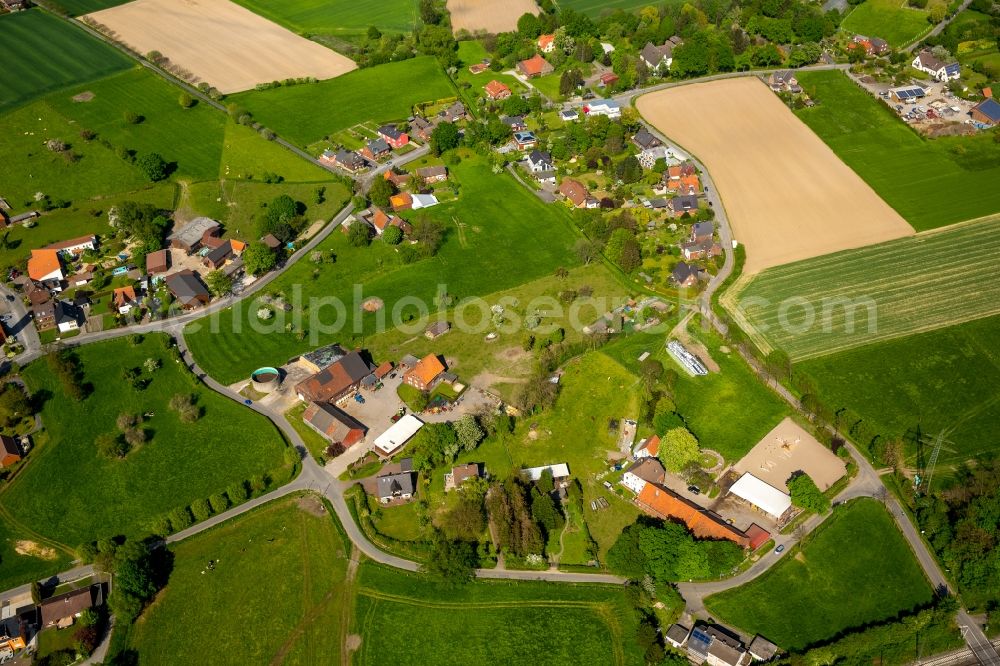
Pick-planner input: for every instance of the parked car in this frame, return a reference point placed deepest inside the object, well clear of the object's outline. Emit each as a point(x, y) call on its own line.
point(694, 489)
point(780, 549)
point(358, 398)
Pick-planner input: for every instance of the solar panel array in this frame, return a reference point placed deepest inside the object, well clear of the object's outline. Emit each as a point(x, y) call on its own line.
point(908, 93)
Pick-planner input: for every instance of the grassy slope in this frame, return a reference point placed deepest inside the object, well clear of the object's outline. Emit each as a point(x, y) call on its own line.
point(279, 569)
point(322, 17)
point(891, 20)
point(33, 67)
point(931, 183)
point(17, 569)
point(78, 7)
point(945, 379)
point(853, 570)
point(72, 494)
point(511, 238)
point(598, 7)
point(490, 622)
point(306, 113)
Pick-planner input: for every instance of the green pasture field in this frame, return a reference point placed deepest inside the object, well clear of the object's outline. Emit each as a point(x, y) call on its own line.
point(909, 172)
point(498, 236)
point(855, 569)
point(306, 113)
point(595, 8)
point(279, 576)
point(880, 292)
point(71, 494)
point(32, 67)
point(339, 19)
point(246, 155)
point(504, 622)
point(17, 569)
point(235, 203)
point(80, 7)
point(925, 383)
point(892, 20)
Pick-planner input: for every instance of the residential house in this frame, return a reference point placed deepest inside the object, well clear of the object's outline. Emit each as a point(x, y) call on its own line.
point(604, 107)
point(568, 115)
point(650, 156)
point(158, 262)
point(460, 474)
point(496, 90)
point(686, 203)
point(68, 317)
point(986, 112)
point(547, 43)
point(14, 630)
point(685, 185)
point(703, 249)
point(10, 451)
point(657, 58)
point(391, 487)
point(393, 136)
point(271, 242)
point(45, 265)
point(401, 201)
point(43, 309)
point(423, 374)
point(677, 635)
point(784, 80)
point(608, 79)
point(75, 246)
point(380, 221)
point(684, 275)
point(534, 67)
point(762, 649)
point(647, 448)
point(334, 423)
point(376, 149)
point(878, 46)
point(941, 71)
point(478, 68)
point(545, 177)
point(574, 191)
point(437, 329)
point(525, 140)
point(643, 471)
point(344, 159)
point(335, 382)
point(644, 140)
point(218, 256)
point(701, 231)
point(61, 610)
point(457, 111)
point(433, 174)
point(539, 160)
point(194, 234)
point(515, 123)
point(663, 503)
point(398, 179)
point(422, 128)
point(188, 289)
point(398, 434)
point(124, 299)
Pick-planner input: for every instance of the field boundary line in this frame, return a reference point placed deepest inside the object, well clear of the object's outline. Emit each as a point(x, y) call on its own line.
point(983, 219)
point(480, 605)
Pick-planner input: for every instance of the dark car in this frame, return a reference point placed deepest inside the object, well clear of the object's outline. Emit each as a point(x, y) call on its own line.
point(694, 489)
point(780, 548)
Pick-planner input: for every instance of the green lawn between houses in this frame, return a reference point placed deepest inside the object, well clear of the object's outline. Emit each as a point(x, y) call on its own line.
point(911, 173)
point(32, 67)
point(71, 494)
point(497, 236)
point(854, 569)
point(306, 113)
point(319, 18)
point(892, 20)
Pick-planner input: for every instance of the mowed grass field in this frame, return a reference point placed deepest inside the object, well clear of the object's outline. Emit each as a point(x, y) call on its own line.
point(405, 618)
point(854, 569)
point(892, 20)
point(944, 380)
point(507, 237)
point(80, 7)
point(321, 17)
point(930, 182)
point(895, 289)
point(276, 593)
point(595, 8)
point(72, 494)
point(306, 113)
point(32, 67)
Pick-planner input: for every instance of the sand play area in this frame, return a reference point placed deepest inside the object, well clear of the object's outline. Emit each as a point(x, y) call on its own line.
point(489, 15)
point(221, 42)
point(788, 196)
point(788, 448)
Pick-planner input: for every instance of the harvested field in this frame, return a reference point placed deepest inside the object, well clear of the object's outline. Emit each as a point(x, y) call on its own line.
point(489, 15)
point(788, 196)
point(221, 42)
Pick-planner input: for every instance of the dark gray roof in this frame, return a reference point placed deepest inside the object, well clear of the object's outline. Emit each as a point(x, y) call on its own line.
point(192, 232)
point(390, 131)
point(653, 54)
point(378, 145)
point(186, 287)
point(511, 121)
point(219, 253)
point(66, 312)
point(685, 202)
point(678, 633)
point(682, 271)
point(703, 229)
point(646, 140)
point(328, 417)
point(537, 156)
point(324, 356)
point(762, 649)
point(395, 484)
point(346, 158)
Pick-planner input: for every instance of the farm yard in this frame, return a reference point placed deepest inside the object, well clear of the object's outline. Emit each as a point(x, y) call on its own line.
point(304, 114)
point(72, 494)
point(302, 608)
point(765, 165)
point(488, 16)
point(220, 42)
point(32, 68)
point(835, 580)
point(490, 621)
point(892, 20)
point(318, 19)
point(854, 298)
point(909, 172)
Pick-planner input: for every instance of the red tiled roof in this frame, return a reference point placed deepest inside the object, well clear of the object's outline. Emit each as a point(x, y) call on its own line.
point(427, 369)
point(43, 262)
point(667, 504)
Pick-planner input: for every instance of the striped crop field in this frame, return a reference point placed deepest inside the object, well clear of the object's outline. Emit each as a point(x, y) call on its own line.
point(848, 299)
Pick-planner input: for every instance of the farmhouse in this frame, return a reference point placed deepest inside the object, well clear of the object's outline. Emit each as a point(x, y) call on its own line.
point(61, 610)
point(664, 503)
point(158, 262)
point(345, 159)
point(375, 149)
point(397, 486)
point(393, 439)
point(459, 475)
point(784, 80)
point(547, 43)
point(433, 174)
point(684, 275)
point(496, 90)
point(188, 289)
point(10, 451)
point(423, 374)
point(604, 107)
point(124, 299)
point(789, 448)
point(45, 265)
point(574, 191)
point(762, 496)
point(75, 246)
point(643, 471)
point(218, 256)
point(336, 382)
point(68, 317)
point(333, 423)
point(534, 67)
point(392, 136)
point(986, 112)
point(194, 234)
point(657, 58)
point(927, 62)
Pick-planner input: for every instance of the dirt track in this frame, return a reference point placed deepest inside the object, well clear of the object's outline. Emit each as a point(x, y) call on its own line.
point(220, 42)
point(488, 15)
point(788, 196)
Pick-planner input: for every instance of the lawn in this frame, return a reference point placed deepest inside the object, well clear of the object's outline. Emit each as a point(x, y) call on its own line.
point(595, 8)
point(32, 67)
point(17, 569)
point(245, 155)
point(498, 236)
point(909, 172)
point(278, 580)
point(306, 113)
point(490, 622)
point(853, 570)
point(472, 52)
point(71, 494)
point(316, 18)
point(892, 20)
point(941, 380)
point(849, 299)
